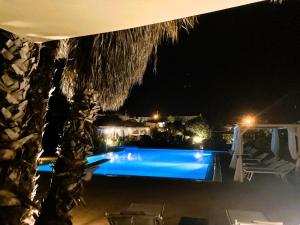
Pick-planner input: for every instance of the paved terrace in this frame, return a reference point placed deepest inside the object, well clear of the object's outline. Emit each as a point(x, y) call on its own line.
point(266, 193)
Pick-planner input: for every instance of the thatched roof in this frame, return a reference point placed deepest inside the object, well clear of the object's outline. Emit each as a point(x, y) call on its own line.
point(111, 63)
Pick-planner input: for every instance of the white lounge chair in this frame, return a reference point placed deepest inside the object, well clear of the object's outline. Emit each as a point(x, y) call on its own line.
point(264, 161)
point(244, 217)
point(117, 219)
point(258, 158)
point(138, 214)
point(250, 152)
point(272, 163)
point(259, 223)
point(281, 171)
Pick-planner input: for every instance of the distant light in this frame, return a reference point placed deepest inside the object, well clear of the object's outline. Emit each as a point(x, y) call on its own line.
point(197, 139)
point(161, 124)
point(109, 142)
point(156, 116)
point(248, 120)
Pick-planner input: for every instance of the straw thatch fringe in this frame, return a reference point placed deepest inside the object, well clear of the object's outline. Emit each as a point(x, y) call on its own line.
point(112, 63)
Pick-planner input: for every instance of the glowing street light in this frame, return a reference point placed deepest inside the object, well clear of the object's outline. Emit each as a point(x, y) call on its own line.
point(156, 116)
point(248, 120)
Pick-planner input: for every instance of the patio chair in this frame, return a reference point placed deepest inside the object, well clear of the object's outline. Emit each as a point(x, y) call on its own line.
point(138, 214)
point(258, 158)
point(281, 171)
point(244, 217)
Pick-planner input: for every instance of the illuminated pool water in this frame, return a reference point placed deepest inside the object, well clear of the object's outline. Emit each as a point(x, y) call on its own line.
point(165, 163)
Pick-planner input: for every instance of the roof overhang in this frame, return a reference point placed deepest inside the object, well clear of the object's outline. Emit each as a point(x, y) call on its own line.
point(44, 20)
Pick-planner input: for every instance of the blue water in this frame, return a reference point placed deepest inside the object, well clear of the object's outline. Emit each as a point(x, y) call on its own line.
point(165, 163)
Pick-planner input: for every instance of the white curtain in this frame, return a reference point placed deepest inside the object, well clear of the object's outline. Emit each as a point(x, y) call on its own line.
point(235, 137)
point(235, 146)
point(275, 142)
point(236, 160)
point(293, 135)
point(238, 175)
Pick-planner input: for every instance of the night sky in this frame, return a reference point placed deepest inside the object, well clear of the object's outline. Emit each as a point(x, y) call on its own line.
point(237, 61)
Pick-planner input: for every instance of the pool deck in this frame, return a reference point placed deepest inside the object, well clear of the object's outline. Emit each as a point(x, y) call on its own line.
point(268, 194)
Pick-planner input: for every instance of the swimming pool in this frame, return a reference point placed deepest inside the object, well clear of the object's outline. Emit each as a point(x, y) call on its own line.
point(164, 163)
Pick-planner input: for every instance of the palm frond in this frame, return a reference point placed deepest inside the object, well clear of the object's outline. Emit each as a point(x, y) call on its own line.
point(111, 63)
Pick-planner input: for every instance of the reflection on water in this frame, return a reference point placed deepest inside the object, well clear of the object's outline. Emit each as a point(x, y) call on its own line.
point(118, 157)
point(129, 156)
point(198, 155)
point(113, 157)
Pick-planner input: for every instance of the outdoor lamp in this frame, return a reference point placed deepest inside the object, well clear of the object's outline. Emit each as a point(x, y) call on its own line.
point(248, 120)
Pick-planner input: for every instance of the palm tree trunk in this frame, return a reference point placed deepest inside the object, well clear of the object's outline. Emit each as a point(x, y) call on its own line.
point(36, 110)
point(67, 182)
point(18, 61)
point(21, 102)
point(57, 113)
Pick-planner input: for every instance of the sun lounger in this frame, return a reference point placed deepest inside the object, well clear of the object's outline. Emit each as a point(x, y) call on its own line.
point(138, 214)
point(117, 219)
point(259, 223)
point(265, 161)
point(192, 221)
point(266, 222)
point(146, 220)
point(250, 152)
point(268, 164)
point(281, 171)
point(244, 217)
point(258, 158)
